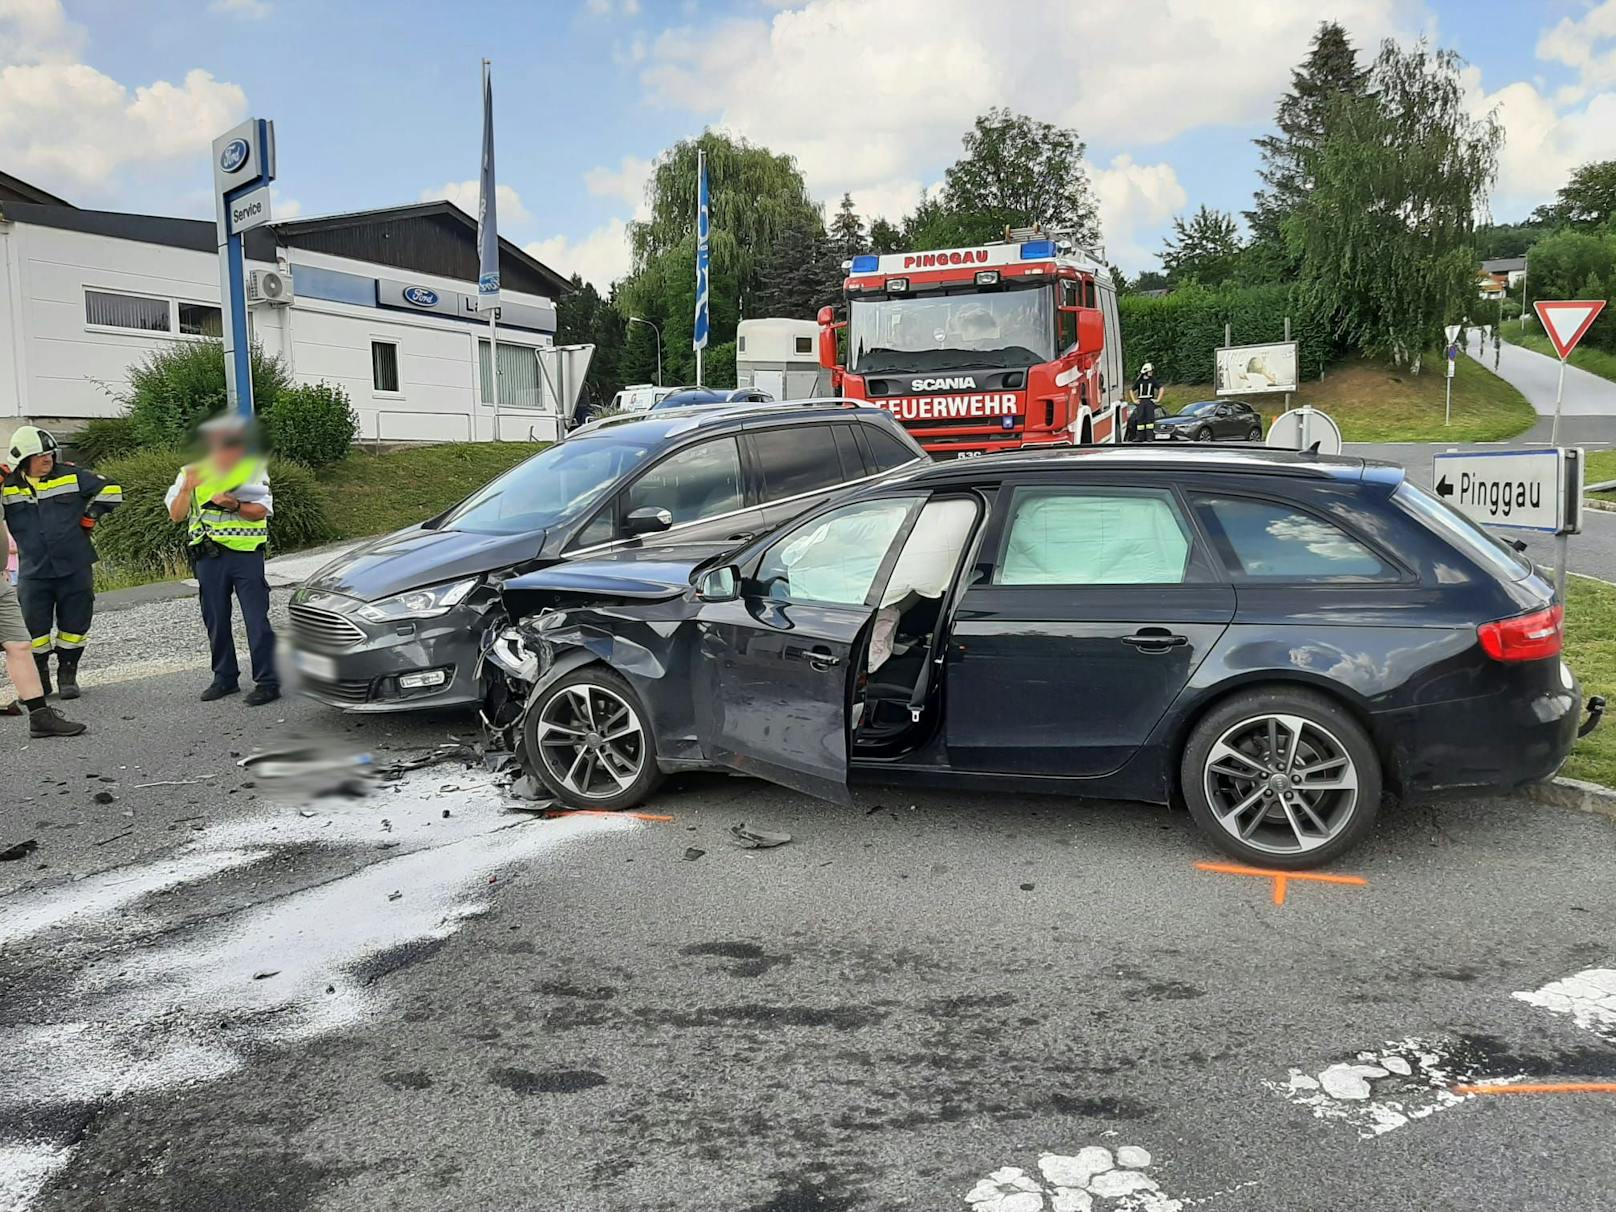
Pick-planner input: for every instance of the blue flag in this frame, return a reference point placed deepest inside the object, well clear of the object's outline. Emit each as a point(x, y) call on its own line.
point(703, 224)
point(487, 219)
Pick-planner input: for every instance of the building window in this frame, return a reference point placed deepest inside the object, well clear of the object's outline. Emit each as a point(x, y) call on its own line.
point(134, 312)
point(384, 365)
point(201, 320)
point(520, 385)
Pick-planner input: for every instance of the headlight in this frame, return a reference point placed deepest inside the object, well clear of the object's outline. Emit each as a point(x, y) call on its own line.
point(426, 603)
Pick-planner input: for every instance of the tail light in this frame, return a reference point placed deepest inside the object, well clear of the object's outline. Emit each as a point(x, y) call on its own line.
point(1524, 637)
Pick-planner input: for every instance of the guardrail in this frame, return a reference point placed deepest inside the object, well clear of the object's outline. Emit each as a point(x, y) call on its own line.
point(468, 418)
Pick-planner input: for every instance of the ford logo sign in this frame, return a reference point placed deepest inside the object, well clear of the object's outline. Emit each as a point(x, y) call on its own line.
point(234, 155)
point(421, 296)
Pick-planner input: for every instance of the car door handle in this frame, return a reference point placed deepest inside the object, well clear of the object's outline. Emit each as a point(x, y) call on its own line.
point(1154, 639)
point(820, 659)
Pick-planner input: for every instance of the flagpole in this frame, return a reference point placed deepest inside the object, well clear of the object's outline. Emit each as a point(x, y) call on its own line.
point(488, 243)
point(701, 177)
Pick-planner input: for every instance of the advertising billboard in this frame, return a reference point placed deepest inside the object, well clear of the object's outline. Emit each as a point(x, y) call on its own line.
point(1248, 370)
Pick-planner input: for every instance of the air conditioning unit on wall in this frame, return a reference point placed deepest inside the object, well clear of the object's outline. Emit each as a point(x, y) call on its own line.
point(271, 286)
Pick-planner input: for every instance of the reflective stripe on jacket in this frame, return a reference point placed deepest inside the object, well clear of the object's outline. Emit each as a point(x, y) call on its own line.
point(48, 519)
point(226, 527)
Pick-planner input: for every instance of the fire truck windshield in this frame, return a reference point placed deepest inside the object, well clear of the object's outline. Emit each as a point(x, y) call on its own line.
point(941, 331)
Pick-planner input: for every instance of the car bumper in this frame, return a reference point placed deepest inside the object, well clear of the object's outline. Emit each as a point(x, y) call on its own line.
point(365, 676)
point(1499, 741)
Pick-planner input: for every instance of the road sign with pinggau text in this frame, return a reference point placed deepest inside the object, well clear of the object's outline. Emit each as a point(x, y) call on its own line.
point(1538, 490)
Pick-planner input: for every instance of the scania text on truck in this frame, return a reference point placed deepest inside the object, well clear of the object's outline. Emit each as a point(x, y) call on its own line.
point(999, 347)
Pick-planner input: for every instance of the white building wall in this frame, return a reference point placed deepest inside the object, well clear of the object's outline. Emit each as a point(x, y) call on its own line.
point(54, 364)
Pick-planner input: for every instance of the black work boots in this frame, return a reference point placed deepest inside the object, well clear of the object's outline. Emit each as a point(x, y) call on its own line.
point(67, 672)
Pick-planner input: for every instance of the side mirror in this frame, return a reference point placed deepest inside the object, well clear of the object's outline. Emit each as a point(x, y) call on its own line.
point(719, 584)
point(1090, 330)
point(827, 337)
point(647, 520)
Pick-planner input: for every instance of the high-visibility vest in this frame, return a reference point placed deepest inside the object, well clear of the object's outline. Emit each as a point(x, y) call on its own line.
point(225, 528)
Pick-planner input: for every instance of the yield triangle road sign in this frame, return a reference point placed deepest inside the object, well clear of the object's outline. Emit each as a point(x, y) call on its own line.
point(1567, 320)
point(1453, 333)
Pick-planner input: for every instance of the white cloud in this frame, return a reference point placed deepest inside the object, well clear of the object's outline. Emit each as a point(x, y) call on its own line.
point(74, 129)
point(281, 206)
point(600, 257)
point(1133, 199)
point(1574, 43)
point(865, 95)
point(464, 194)
point(608, 8)
point(626, 183)
point(247, 10)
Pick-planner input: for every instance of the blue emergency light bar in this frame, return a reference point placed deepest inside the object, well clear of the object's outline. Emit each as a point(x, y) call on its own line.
point(1037, 250)
point(866, 264)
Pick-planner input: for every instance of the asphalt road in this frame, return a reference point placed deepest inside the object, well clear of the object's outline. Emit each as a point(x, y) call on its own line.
point(212, 997)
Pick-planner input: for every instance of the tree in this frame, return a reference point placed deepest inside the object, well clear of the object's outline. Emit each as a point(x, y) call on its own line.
point(1302, 117)
point(847, 238)
point(1384, 236)
point(584, 318)
point(885, 237)
point(1204, 250)
point(756, 197)
point(1576, 263)
point(1150, 279)
point(800, 273)
point(1588, 199)
point(1016, 172)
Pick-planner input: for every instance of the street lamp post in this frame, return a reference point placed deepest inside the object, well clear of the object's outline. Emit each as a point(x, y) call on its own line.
point(658, 332)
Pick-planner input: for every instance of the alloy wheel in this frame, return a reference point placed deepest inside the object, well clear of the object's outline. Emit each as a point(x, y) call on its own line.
point(1281, 783)
point(590, 740)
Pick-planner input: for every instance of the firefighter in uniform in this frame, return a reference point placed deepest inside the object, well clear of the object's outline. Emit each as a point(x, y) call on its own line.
point(225, 502)
point(51, 507)
point(1146, 391)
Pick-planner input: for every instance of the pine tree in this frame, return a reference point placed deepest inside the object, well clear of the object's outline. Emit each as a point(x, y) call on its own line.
point(798, 275)
point(885, 236)
point(847, 238)
point(1302, 116)
point(1206, 249)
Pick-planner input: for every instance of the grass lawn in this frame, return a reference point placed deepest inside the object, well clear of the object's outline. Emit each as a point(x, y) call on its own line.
point(1594, 361)
point(1591, 652)
point(1373, 402)
point(368, 493)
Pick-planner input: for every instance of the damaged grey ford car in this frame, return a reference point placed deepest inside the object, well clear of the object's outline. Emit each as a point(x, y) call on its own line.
point(1272, 639)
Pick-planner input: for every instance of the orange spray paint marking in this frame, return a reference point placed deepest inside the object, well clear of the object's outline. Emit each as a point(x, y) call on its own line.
point(1541, 1088)
point(1282, 878)
point(556, 813)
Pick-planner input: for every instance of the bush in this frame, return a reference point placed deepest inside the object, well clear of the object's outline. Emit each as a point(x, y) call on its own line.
point(1180, 332)
point(179, 386)
point(105, 438)
point(312, 423)
point(139, 537)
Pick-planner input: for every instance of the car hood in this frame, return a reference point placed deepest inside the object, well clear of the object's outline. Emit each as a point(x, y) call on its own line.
point(635, 572)
point(416, 556)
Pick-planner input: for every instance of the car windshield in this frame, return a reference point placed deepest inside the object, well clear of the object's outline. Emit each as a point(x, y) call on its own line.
point(554, 482)
point(1195, 410)
point(939, 332)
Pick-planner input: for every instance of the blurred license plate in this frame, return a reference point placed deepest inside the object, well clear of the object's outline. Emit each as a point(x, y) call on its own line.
point(316, 666)
point(968, 454)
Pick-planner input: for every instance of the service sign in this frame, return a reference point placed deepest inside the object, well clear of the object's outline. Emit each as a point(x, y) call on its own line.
point(1537, 490)
point(250, 210)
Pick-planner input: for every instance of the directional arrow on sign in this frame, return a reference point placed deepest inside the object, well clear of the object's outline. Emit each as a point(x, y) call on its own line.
point(1444, 488)
point(1565, 321)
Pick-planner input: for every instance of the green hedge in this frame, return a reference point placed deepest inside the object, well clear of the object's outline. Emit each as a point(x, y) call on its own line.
point(179, 386)
point(139, 537)
point(312, 423)
point(105, 438)
point(1179, 332)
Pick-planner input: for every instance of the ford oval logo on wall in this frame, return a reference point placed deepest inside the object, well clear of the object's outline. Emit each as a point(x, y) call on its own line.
point(234, 155)
point(421, 296)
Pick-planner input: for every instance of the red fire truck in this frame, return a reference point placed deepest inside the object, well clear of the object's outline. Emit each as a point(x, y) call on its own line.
point(998, 347)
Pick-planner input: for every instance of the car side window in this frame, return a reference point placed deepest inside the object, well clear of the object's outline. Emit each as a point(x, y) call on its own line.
point(848, 448)
point(796, 460)
point(887, 451)
point(1094, 536)
point(1268, 540)
point(602, 528)
point(694, 483)
point(833, 558)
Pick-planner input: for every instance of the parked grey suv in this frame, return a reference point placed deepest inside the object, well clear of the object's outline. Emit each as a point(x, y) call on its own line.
point(396, 623)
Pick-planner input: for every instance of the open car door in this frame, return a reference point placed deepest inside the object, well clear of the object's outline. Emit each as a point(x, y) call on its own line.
point(778, 658)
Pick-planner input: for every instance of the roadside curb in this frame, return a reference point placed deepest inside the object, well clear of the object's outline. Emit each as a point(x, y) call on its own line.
point(1596, 503)
point(1575, 793)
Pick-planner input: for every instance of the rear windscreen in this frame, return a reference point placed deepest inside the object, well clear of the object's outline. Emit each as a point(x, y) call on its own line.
point(1476, 542)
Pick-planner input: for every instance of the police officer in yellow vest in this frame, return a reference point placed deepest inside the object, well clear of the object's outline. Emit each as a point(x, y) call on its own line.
point(51, 507)
point(225, 502)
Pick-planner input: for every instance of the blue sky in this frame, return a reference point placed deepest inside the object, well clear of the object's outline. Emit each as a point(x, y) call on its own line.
point(378, 104)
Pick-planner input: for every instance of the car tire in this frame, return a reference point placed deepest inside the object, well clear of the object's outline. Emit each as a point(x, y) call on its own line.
point(1255, 435)
point(1201, 435)
point(588, 739)
point(1227, 762)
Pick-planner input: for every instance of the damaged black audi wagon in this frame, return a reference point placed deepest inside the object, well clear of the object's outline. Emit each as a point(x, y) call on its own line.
point(1273, 639)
